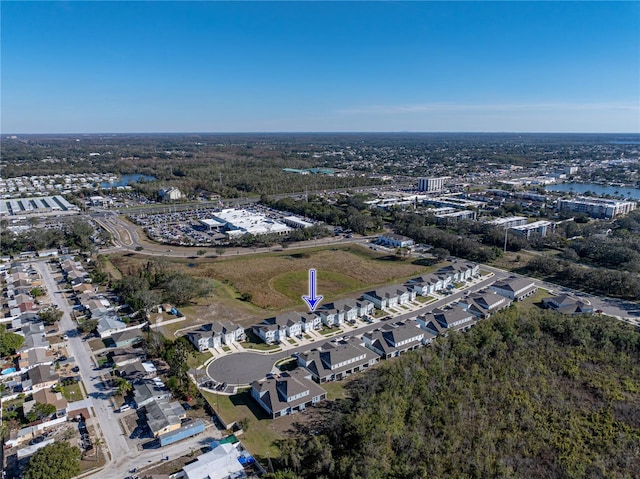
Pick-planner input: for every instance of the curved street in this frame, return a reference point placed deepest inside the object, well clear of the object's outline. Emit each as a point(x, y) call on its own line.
point(243, 368)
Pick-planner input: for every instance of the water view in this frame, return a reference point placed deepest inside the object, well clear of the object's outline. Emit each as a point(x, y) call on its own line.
point(598, 190)
point(127, 180)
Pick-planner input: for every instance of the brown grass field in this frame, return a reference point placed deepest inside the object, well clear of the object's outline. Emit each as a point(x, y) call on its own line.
point(276, 281)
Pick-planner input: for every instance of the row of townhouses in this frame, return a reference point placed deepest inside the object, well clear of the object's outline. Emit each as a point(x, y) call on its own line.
point(293, 324)
point(335, 360)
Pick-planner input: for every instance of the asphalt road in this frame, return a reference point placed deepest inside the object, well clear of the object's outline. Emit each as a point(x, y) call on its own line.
point(244, 368)
point(109, 424)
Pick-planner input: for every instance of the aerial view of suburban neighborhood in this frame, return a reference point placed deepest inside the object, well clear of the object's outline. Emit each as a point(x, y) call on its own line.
point(409, 301)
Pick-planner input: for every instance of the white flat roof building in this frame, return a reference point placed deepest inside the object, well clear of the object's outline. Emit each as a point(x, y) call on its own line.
point(219, 463)
point(509, 221)
point(242, 222)
point(598, 207)
point(541, 227)
point(296, 222)
point(36, 206)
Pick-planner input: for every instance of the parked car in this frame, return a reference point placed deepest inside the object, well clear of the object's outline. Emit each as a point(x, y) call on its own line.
point(124, 407)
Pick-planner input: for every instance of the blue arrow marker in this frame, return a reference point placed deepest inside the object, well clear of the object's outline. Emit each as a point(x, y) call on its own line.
point(312, 300)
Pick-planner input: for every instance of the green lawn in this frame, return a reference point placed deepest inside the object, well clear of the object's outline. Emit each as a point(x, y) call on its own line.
point(533, 301)
point(75, 389)
point(258, 437)
point(424, 299)
point(335, 390)
point(329, 331)
point(197, 359)
point(254, 342)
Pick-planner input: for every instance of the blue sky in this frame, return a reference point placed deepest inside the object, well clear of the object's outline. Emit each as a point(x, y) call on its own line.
point(88, 67)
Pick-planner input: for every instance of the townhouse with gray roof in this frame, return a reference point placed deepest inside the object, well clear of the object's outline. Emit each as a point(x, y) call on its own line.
point(275, 329)
point(392, 340)
point(567, 304)
point(335, 360)
point(515, 288)
point(485, 303)
point(293, 391)
point(215, 334)
point(460, 271)
point(454, 318)
point(429, 283)
point(390, 296)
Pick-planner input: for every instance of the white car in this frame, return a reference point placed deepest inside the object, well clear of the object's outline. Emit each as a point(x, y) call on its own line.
point(124, 407)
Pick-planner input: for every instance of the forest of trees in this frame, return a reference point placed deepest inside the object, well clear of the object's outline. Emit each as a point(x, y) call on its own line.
point(351, 213)
point(531, 395)
point(155, 282)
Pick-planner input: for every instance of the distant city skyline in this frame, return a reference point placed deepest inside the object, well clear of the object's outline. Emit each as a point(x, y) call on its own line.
point(120, 67)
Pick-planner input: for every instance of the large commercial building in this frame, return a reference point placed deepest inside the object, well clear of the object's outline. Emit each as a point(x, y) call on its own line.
point(40, 206)
point(431, 185)
point(237, 223)
point(597, 207)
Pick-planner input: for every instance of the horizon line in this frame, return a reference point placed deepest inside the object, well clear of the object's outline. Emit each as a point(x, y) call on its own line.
point(394, 132)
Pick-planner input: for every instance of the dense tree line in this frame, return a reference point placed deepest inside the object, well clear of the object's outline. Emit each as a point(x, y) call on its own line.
point(532, 394)
point(350, 212)
point(465, 244)
point(608, 282)
point(154, 283)
point(75, 233)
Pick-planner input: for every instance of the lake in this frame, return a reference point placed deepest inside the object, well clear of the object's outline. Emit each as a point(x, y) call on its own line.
point(600, 190)
point(127, 180)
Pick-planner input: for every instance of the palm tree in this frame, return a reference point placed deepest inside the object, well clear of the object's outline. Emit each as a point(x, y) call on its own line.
point(97, 442)
point(124, 386)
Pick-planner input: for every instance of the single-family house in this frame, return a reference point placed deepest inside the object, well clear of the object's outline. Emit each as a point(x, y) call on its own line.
point(133, 371)
point(42, 377)
point(293, 391)
point(124, 356)
point(47, 396)
point(125, 338)
point(164, 416)
point(146, 391)
point(107, 325)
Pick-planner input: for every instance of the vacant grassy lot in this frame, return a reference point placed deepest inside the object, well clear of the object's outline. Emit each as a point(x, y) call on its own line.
point(259, 434)
point(277, 281)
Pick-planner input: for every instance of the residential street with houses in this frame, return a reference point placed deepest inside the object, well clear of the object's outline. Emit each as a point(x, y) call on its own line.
point(104, 413)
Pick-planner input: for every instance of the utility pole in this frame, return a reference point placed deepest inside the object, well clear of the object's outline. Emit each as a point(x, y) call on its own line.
point(506, 230)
